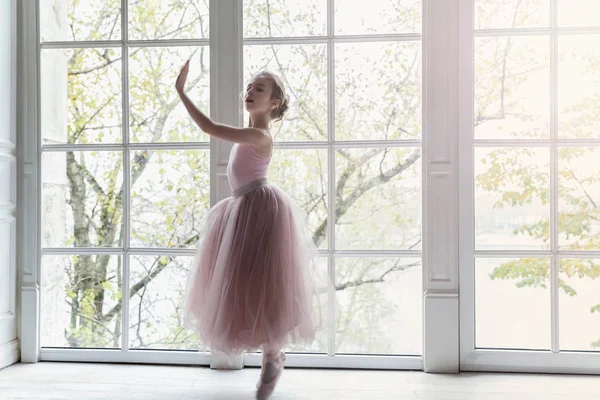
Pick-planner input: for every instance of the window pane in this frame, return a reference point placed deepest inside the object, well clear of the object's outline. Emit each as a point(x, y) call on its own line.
point(62, 20)
point(174, 19)
point(512, 303)
point(285, 18)
point(356, 17)
point(378, 306)
point(157, 285)
point(579, 304)
point(82, 199)
point(579, 13)
point(579, 86)
point(579, 198)
point(81, 96)
point(156, 112)
point(302, 174)
point(512, 189)
point(512, 88)
point(303, 69)
point(378, 199)
point(80, 301)
point(170, 197)
point(502, 14)
point(378, 91)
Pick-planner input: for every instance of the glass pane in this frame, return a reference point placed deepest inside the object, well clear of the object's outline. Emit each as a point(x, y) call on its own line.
point(579, 13)
point(512, 189)
point(319, 345)
point(579, 198)
point(170, 197)
point(157, 293)
point(80, 301)
point(378, 199)
point(81, 96)
point(62, 20)
point(174, 19)
point(285, 18)
point(303, 69)
point(379, 306)
point(503, 14)
point(512, 88)
point(82, 199)
point(302, 174)
point(356, 17)
point(378, 91)
point(579, 304)
point(579, 86)
point(512, 304)
point(156, 111)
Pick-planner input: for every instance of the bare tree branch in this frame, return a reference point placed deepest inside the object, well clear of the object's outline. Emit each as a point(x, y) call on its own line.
point(381, 278)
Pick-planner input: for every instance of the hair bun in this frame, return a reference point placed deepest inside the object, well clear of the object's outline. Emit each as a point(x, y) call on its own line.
point(283, 107)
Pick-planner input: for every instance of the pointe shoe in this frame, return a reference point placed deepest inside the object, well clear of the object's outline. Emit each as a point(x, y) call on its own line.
point(270, 361)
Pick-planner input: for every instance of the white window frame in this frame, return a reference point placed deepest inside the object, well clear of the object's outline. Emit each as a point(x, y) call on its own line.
point(471, 358)
point(440, 197)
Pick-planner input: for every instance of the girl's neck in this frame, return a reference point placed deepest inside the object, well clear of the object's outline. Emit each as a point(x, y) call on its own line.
point(259, 122)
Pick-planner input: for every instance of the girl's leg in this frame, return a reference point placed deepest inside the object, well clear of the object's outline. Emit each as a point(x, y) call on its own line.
point(271, 348)
point(272, 361)
point(272, 366)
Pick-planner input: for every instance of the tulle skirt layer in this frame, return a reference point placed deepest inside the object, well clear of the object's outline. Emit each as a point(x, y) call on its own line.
point(253, 280)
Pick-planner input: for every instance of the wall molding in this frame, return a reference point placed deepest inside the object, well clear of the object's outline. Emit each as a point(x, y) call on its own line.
point(8, 147)
point(10, 353)
point(440, 177)
point(28, 194)
point(9, 316)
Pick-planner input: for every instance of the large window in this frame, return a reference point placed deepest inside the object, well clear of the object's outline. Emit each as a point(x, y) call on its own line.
point(126, 174)
point(536, 196)
point(350, 155)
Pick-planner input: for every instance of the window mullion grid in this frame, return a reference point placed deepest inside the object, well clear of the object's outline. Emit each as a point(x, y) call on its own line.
point(130, 146)
point(191, 251)
point(126, 177)
point(553, 144)
point(348, 144)
point(554, 29)
point(332, 144)
point(554, 289)
point(331, 329)
point(585, 254)
point(77, 251)
point(126, 147)
point(397, 37)
point(130, 43)
point(537, 142)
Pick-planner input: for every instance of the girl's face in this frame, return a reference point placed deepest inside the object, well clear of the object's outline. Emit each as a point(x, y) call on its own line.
point(258, 97)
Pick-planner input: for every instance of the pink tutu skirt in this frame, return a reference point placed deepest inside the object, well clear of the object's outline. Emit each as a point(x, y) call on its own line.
point(252, 281)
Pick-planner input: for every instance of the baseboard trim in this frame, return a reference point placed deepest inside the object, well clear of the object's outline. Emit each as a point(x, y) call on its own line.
point(10, 353)
point(441, 333)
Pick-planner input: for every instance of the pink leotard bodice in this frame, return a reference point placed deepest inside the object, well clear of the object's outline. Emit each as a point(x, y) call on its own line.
point(246, 166)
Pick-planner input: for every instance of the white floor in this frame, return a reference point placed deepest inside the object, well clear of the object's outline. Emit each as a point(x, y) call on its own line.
point(45, 381)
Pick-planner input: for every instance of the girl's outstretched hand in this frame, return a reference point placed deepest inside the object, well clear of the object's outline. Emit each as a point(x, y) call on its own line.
point(180, 83)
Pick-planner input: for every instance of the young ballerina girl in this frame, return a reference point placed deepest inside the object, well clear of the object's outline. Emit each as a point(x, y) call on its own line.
point(251, 285)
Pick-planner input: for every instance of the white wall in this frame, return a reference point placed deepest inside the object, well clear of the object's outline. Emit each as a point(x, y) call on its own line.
point(9, 344)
